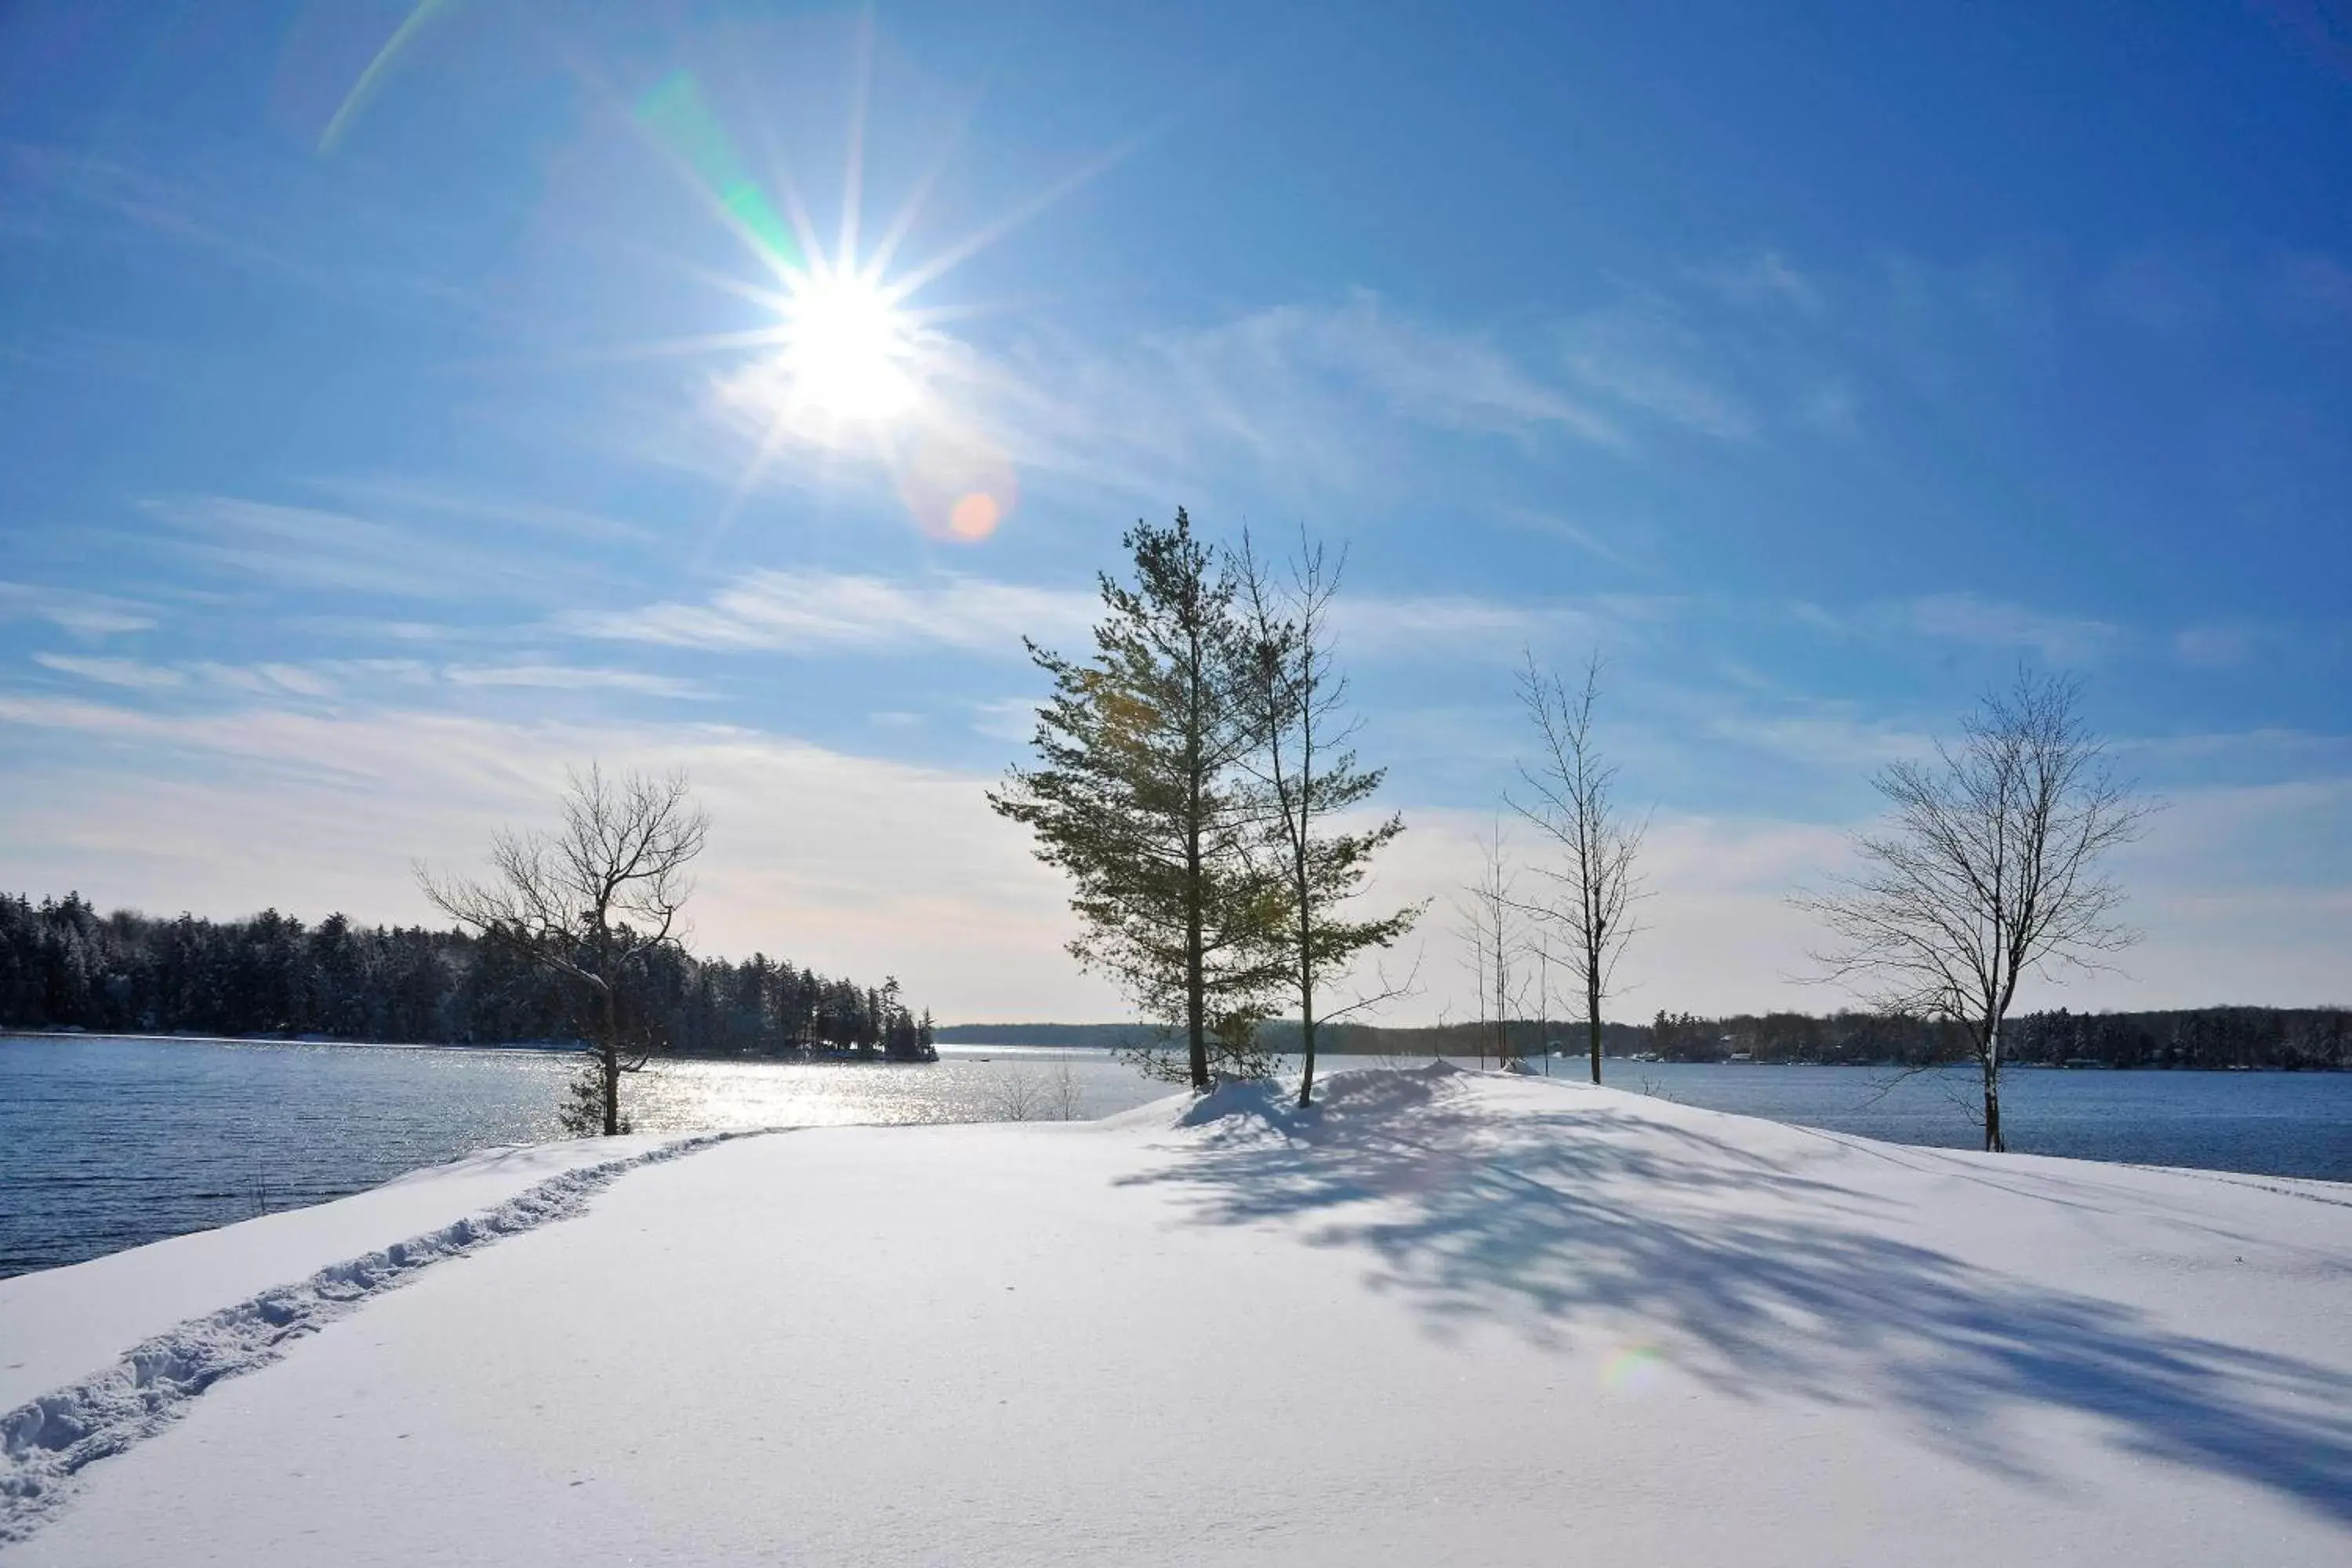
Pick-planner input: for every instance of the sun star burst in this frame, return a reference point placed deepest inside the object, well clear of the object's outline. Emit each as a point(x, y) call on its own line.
point(847, 352)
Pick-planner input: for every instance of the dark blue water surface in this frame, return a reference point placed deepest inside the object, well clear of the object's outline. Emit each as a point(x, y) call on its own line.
point(2276, 1124)
point(107, 1142)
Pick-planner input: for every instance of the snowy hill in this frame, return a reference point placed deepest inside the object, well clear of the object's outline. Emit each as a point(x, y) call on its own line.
point(1441, 1317)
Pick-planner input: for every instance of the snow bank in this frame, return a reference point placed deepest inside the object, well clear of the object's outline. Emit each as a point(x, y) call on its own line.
point(57, 1325)
point(1436, 1318)
point(45, 1441)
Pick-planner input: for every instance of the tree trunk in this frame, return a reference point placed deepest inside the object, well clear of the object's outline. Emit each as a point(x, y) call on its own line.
point(1592, 1016)
point(1306, 1034)
point(1543, 1009)
point(1195, 979)
point(1992, 1142)
point(611, 1053)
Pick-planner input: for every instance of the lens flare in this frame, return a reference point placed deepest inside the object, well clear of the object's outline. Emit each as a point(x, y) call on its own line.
point(675, 117)
point(975, 516)
point(842, 367)
point(365, 89)
point(957, 484)
point(840, 364)
point(1632, 1369)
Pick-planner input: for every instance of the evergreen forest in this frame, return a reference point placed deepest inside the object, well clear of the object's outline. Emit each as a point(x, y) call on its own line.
point(65, 966)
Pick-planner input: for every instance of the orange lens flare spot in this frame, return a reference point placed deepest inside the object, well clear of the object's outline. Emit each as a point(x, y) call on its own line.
point(975, 516)
point(957, 484)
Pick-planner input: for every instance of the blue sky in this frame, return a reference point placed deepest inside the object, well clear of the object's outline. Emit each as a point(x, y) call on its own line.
point(390, 425)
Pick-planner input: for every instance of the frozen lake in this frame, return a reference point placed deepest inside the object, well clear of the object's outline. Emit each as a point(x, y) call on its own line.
point(110, 1142)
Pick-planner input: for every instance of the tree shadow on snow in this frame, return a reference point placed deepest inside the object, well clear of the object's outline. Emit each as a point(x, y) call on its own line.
point(1755, 1273)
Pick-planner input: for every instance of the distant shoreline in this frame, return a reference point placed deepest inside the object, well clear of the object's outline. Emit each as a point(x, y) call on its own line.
point(1117, 1036)
point(543, 1047)
point(2216, 1037)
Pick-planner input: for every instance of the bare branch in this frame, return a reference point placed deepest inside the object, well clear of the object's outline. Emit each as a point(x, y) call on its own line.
point(593, 900)
point(1988, 869)
point(1568, 795)
point(1307, 778)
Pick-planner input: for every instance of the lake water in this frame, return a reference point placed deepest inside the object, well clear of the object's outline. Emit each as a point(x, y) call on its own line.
point(107, 1143)
point(110, 1142)
point(2276, 1123)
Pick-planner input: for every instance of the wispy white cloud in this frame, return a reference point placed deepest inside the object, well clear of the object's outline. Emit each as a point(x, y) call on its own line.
point(2187, 765)
point(1286, 394)
point(94, 183)
point(1006, 718)
point(573, 678)
point(312, 548)
point(1620, 546)
point(373, 628)
point(95, 621)
point(1462, 625)
point(319, 549)
point(271, 679)
point(1937, 328)
point(1459, 380)
point(127, 672)
point(1819, 739)
point(1990, 623)
point(1761, 278)
point(88, 616)
point(1967, 618)
point(1647, 356)
point(387, 495)
point(203, 208)
point(826, 611)
point(2211, 647)
point(326, 678)
point(1320, 399)
point(1294, 385)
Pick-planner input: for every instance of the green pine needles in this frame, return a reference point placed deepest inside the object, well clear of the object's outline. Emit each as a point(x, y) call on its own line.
point(1173, 787)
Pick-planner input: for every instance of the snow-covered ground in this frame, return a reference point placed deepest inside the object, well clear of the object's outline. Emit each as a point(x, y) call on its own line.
point(57, 1325)
point(1444, 1318)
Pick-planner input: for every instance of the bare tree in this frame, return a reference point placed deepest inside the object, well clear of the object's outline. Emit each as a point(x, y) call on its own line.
point(1489, 926)
point(1987, 870)
point(1068, 1100)
point(591, 904)
point(1022, 1093)
point(1016, 1094)
point(1309, 777)
point(1571, 799)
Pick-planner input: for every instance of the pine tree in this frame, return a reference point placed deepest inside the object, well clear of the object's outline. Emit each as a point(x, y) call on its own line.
point(1137, 797)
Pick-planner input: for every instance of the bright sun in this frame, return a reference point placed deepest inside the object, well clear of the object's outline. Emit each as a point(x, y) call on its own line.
point(847, 349)
point(840, 366)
